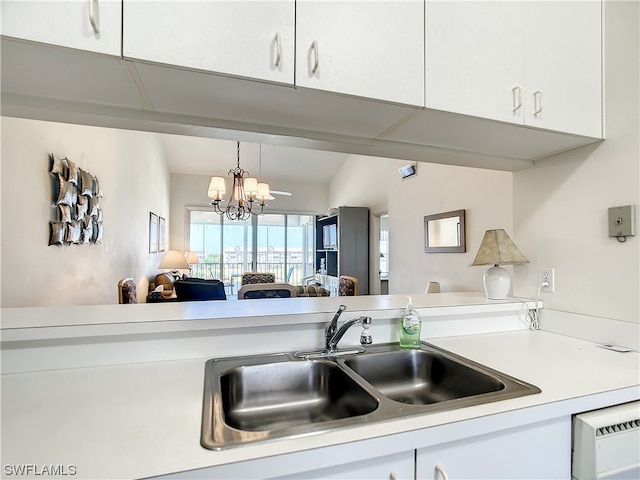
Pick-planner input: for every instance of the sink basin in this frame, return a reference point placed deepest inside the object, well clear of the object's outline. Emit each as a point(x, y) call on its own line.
point(278, 396)
point(259, 398)
point(422, 377)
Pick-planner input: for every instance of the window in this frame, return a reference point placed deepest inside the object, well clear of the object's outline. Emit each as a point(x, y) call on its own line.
point(277, 243)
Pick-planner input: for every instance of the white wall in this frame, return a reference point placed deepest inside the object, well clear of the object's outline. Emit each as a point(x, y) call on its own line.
point(361, 182)
point(132, 172)
point(561, 204)
point(486, 196)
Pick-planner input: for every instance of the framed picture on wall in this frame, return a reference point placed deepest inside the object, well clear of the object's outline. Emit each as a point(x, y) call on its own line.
point(153, 232)
point(161, 234)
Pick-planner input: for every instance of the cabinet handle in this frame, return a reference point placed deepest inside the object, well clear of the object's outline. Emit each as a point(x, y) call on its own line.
point(316, 60)
point(440, 473)
point(393, 475)
point(278, 50)
point(537, 102)
point(516, 93)
point(92, 16)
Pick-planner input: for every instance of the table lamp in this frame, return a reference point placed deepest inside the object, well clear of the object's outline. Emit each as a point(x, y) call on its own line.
point(497, 249)
point(192, 259)
point(174, 260)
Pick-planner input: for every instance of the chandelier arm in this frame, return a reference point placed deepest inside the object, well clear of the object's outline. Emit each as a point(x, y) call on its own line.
point(260, 212)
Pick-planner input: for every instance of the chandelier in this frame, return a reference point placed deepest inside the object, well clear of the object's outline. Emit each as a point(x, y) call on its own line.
point(246, 194)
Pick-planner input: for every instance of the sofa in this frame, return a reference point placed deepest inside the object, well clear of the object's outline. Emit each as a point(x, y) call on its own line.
point(177, 289)
point(193, 289)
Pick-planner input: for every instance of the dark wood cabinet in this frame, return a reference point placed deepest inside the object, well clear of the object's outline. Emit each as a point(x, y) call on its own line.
point(342, 245)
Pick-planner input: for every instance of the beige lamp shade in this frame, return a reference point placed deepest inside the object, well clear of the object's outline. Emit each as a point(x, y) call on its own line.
point(174, 260)
point(497, 248)
point(216, 188)
point(251, 186)
point(192, 257)
point(432, 287)
point(263, 192)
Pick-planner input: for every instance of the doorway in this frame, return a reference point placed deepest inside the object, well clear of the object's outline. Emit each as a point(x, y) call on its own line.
point(382, 254)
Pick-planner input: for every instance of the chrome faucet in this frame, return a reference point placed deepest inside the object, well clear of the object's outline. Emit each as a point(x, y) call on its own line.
point(333, 334)
point(332, 326)
point(365, 336)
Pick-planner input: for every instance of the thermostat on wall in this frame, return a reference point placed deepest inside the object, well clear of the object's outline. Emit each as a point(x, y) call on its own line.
point(622, 221)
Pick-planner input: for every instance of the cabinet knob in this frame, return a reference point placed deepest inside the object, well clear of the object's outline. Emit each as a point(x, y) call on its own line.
point(316, 59)
point(439, 472)
point(516, 93)
point(537, 102)
point(93, 17)
point(278, 50)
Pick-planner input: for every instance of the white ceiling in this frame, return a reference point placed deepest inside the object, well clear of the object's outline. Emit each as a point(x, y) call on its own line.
point(208, 156)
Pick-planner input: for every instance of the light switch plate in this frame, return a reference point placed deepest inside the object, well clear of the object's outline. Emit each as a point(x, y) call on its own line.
point(622, 221)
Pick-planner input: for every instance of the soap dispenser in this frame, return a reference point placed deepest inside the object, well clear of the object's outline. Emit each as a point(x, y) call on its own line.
point(410, 327)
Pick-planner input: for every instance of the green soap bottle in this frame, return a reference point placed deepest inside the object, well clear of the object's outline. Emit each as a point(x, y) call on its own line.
point(410, 327)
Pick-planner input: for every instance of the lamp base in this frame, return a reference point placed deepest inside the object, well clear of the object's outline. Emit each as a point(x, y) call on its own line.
point(497, 283)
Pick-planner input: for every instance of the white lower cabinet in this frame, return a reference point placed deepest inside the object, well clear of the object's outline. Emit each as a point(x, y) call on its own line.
point(398, 466)
point(539, 451)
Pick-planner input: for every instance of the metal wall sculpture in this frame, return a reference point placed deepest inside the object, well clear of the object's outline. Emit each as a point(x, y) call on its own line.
point(76, 214)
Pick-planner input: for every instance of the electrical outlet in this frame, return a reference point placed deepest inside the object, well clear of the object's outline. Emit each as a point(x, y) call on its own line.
point(547, 275)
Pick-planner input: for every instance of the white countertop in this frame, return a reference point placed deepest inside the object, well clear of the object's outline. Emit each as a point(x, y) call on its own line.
point(228, 312)
point(140, 420)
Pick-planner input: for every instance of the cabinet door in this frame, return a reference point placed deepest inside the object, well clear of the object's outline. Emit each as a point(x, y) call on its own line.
point(372, 49)
point(564, 66)
point(92, 25)
point(540, 451)
point(389, 467)
point(475, 64)
point(253, 39)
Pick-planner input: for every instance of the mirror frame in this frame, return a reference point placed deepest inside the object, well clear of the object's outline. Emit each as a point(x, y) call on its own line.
point(460, 248)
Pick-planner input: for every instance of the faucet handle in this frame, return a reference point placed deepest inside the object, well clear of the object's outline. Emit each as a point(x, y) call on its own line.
point(332, 326)
point(365, 336)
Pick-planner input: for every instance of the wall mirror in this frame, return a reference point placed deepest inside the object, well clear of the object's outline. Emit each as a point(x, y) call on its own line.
point(444, 232)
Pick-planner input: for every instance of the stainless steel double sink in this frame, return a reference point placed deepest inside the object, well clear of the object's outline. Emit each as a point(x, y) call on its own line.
point(263, 397)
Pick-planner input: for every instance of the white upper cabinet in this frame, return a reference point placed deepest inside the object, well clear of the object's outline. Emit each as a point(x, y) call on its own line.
point(532, 63)
point(563, 67)
point(474, 58)
point(372, 49)
point(92, 25)
point(253, 39)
